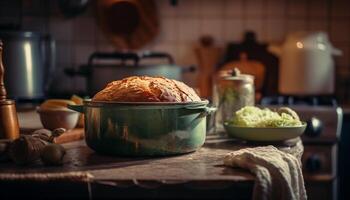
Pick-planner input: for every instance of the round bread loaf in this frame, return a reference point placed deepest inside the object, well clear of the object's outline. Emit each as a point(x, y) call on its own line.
point(147, 89)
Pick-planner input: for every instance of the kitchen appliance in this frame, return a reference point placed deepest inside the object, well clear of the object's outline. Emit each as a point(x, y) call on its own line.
point(128, 24)
point(29, 59)
point(103, 68)
point(321, 140)
point(144, 129)
point(9, 127)
point(306, 64)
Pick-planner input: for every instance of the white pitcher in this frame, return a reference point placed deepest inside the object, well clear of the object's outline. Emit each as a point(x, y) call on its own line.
point(306, 64)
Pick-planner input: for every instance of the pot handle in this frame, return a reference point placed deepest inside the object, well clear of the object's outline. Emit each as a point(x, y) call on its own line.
point(205, 111)
point(78, 108)
point(337, 52)
point(274, 49)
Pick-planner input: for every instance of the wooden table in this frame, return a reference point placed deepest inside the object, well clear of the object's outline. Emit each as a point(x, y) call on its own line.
point(200, 173)
point(85, 174)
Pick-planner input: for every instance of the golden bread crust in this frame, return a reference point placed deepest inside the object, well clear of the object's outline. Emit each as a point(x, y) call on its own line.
point(147, 89)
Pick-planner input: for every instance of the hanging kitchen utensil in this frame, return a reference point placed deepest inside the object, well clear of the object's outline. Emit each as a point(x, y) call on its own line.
point(208, 57)
point(129, 24)
point(9, 128)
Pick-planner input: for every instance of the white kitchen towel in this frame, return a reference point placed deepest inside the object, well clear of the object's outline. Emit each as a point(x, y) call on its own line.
point(278, 174)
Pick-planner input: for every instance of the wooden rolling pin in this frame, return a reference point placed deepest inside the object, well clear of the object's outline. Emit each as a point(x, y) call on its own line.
point(70, 136)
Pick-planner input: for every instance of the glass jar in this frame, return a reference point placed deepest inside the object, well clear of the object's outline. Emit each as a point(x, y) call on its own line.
point(231, 91)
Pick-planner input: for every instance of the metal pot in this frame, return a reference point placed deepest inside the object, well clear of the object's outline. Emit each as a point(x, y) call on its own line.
point(100, 70)
point(29, 61)
point(144, 129)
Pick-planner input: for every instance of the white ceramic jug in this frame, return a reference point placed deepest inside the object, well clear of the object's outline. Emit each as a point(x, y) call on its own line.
point(306, 64)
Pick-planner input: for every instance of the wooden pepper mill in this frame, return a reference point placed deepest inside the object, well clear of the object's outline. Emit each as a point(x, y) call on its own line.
point(9, 128)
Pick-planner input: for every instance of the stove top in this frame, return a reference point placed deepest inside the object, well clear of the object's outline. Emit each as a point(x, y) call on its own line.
point(321, 113)
point(300, 100)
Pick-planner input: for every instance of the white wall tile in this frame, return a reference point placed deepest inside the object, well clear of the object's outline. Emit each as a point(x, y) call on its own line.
point(36, 24)
point(61, 83)
point(165, 9)
point(82, 51)
point(233, 8)
point(79, 84)
point(61, 29)
point(340, 8)
point(340, 30)
point(276, 8)
point(165, 47)
point(186, 55)
point(105, 47)
point(255, 25)
point(317, 25)
point(233, 29)
point(188, 29)
point(101, 37)
point(297, 8)
point(275, 30)
point(318, 8)
point(296, 25)
point(254, 8)
point(210, 8)
point(64, 52)
point(84, 29)
point(53, 8)
point(212, 27)
point(168, 30)
point(188, 8)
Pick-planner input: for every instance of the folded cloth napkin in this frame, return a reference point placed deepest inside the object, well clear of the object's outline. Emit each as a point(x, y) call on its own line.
point(278, 174)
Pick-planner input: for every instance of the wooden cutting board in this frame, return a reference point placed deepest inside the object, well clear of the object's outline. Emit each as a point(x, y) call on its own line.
point(70, 136)
point(208, 57)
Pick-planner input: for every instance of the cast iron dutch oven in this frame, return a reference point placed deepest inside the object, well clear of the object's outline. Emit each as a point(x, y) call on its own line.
point(144, 129)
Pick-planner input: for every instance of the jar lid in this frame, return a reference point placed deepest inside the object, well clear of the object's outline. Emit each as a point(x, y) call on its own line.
point(236, 75)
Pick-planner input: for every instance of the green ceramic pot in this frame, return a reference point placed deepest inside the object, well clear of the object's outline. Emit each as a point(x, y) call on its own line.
point(144, 129)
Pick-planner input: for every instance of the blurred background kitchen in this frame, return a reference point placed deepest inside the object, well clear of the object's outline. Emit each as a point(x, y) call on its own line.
point(58, 48)
point(178, 27)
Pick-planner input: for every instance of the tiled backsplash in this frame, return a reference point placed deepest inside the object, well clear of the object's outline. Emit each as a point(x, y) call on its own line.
point(182, 25)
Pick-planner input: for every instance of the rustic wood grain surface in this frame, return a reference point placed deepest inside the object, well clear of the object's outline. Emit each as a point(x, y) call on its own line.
point(200, 173)
point(205, 164)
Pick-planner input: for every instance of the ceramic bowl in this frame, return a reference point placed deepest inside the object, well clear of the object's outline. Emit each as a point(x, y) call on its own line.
point(270, 134)
point(62, 118)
